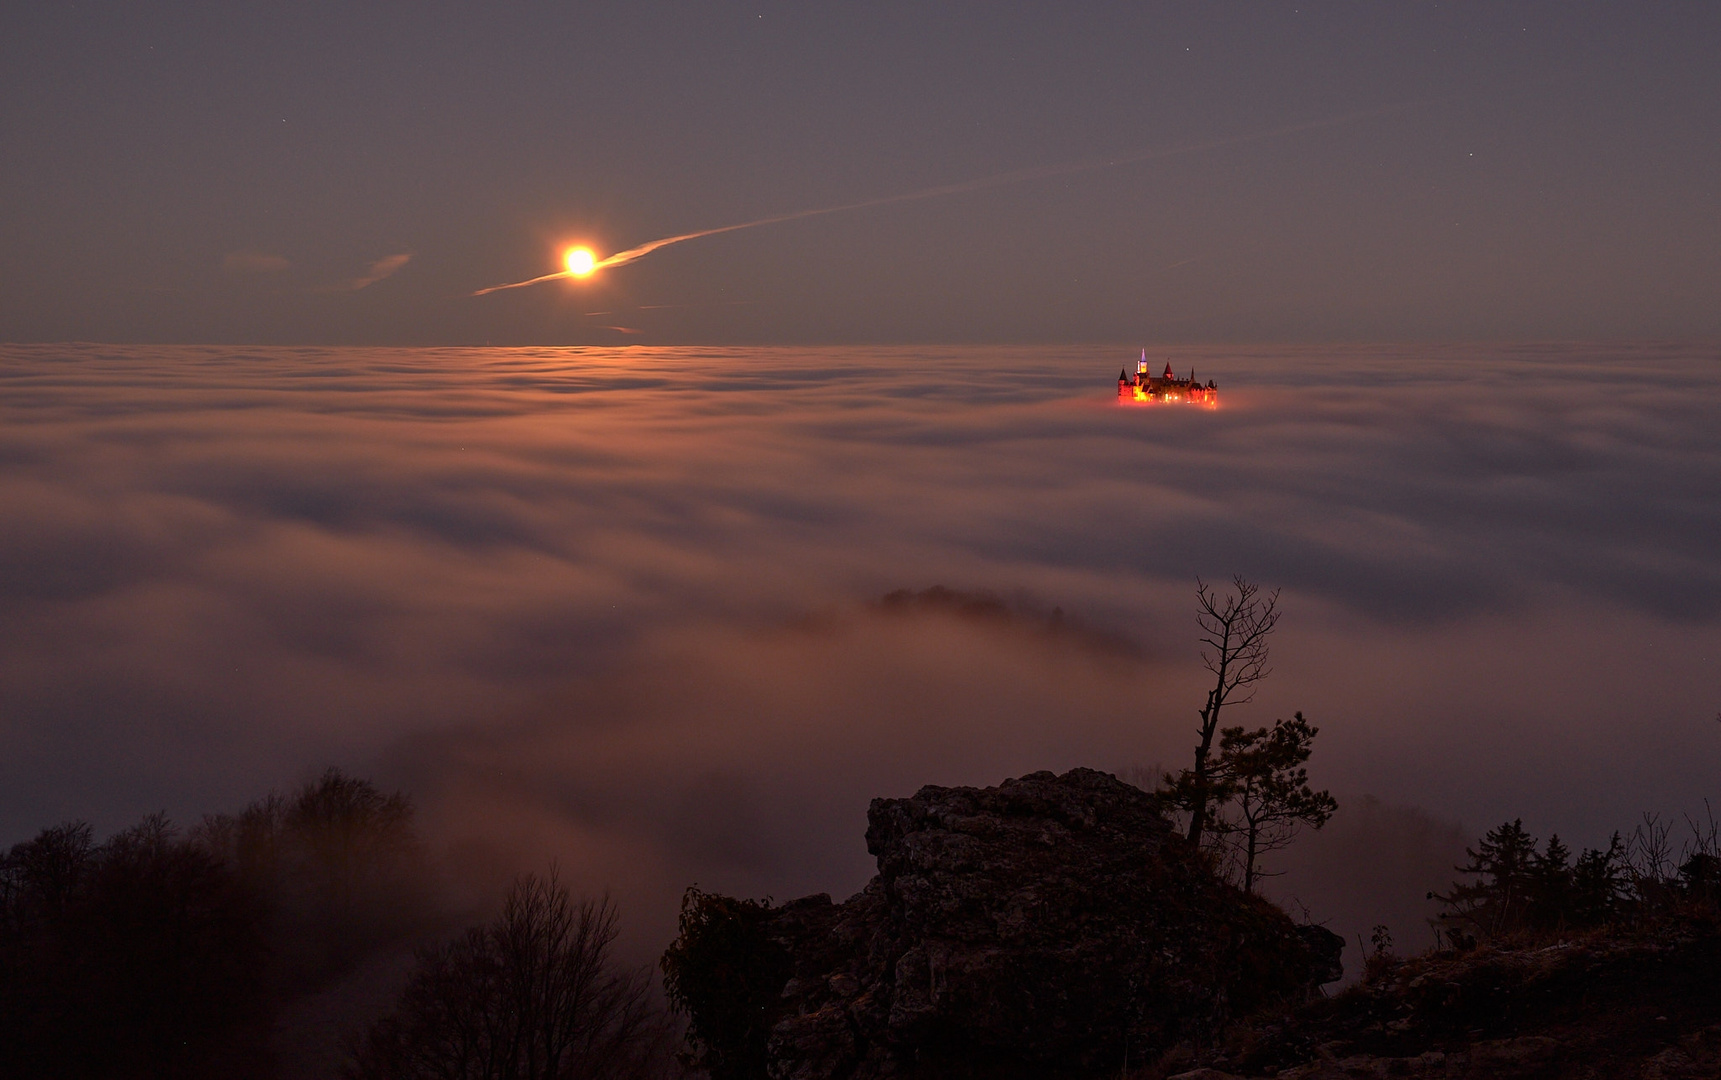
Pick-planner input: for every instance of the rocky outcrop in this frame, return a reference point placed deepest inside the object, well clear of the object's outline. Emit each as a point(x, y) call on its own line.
point(1053, 926)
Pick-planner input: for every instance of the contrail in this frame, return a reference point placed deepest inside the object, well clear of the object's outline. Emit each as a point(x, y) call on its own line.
point(622, 258)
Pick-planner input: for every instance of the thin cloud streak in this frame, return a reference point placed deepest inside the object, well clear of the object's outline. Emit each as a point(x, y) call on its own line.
point(1044, 172)
point(383, 268)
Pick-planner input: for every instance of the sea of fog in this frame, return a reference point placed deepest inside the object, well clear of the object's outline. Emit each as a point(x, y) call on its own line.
point(619, 608)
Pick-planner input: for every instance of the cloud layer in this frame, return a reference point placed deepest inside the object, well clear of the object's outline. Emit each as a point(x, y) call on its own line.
point(617, 605)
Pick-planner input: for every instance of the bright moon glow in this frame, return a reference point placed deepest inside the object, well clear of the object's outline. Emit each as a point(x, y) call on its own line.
point(580, 261)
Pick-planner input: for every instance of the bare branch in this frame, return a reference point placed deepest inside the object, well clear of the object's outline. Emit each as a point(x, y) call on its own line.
point(1234, 628)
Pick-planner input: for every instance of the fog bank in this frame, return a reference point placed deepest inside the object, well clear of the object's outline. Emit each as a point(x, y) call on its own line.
point(618, 607)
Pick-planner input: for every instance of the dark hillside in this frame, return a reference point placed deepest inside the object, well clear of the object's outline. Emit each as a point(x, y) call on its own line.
point(1605, 1005)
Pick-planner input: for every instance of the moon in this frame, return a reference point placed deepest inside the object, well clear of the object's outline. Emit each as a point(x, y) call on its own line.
point(580, 261)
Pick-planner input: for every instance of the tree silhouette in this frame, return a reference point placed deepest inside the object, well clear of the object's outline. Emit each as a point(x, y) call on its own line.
point(1268, 798)
point(1515, 887)
point(1498, 899)
point(1551, 882)
point(1598, 883)
point(533, 995)
point(727, 977)
point(1234, 632)
point(139, 957)
point(340, 864)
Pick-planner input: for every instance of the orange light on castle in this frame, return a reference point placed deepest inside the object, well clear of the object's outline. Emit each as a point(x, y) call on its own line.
point(1149, 389)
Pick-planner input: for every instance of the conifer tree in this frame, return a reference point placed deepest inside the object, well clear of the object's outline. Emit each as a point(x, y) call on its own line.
point(1497, 901)
point(1264, 776)
point(1551, 885)
point(1597, 883)
point(1516, 887)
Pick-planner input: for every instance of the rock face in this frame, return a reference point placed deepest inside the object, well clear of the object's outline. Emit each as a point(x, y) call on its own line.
point(1047, 927)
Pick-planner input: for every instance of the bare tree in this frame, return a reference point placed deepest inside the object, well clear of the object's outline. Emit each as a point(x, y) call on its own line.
point(533, 995)
point(1649, 853)
point(1234, 632)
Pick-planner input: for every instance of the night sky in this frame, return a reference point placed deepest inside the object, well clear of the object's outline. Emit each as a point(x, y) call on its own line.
point(338, 173)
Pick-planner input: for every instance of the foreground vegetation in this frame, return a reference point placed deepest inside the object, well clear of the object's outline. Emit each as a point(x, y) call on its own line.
point(162, 952)
point(532, 994)
point(1598, 966)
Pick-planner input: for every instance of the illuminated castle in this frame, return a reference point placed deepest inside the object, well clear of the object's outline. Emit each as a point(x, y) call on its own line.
point(1147, 388)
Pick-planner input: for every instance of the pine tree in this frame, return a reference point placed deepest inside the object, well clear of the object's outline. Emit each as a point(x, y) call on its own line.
point(1498, 901)
point(1266, 781)
point(1551, 885)
point(1597, 884)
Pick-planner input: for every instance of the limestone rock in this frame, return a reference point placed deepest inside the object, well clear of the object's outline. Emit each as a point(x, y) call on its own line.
point(1042, 928)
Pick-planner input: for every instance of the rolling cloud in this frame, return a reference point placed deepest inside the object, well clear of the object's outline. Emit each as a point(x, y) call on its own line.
point(619, 606)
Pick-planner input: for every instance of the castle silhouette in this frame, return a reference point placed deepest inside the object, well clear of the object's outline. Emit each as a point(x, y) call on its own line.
point(1147, 388)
